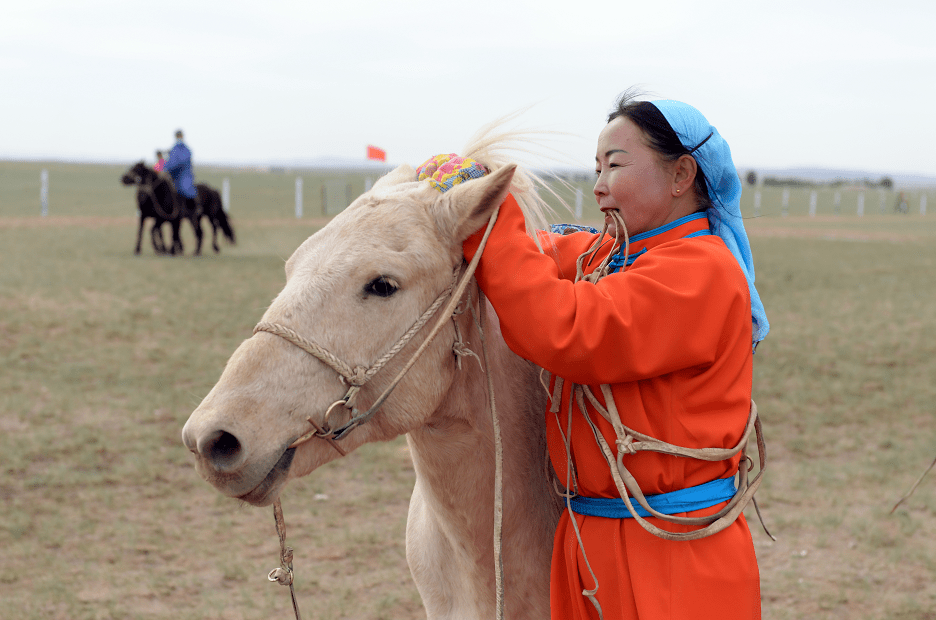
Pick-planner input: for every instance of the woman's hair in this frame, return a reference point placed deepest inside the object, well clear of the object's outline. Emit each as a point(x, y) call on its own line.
point(660, 136)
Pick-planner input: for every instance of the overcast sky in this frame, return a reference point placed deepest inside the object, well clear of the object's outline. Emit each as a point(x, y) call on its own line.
point(846, 85)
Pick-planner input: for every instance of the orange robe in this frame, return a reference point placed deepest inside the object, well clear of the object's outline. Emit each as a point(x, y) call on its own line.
point(672, 335)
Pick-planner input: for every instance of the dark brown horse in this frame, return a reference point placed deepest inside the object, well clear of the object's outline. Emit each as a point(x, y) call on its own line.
point(213, 209)
point(157, 199)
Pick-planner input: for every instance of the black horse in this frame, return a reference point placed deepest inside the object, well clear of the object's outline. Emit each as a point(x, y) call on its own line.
point(213, 209)
point(157, 199)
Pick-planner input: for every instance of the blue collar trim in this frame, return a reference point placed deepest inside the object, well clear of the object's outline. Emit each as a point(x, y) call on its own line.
point(617, 261)
point(665, 227)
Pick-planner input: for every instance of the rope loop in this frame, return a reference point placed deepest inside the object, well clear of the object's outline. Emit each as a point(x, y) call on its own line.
point(284, 574)
point(460, 349)
point(626, 445)
point(281, 576)
point(359, 377)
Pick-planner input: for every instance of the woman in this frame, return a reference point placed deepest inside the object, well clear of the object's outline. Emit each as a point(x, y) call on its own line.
point(671, 328)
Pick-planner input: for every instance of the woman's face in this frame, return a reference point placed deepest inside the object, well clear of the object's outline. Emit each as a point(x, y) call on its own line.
point(632, 179)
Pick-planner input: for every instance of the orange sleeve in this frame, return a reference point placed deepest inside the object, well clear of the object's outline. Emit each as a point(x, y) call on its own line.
point(665, 313)
point(565, 249)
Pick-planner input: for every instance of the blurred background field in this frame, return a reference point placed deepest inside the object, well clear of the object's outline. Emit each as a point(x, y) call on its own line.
point(105, 354)
point(270, 192)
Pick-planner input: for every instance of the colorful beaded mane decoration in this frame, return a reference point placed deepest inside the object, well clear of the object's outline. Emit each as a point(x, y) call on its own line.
point(445, 171)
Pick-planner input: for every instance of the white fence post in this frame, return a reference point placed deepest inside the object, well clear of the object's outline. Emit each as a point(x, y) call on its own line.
point(368, 184)
point(837, 203)
point(860, 204)
point(813, 200)
point(785, 205)
point(298, 198)
point(757, 198)
point(883, 197)
point(226, 195)
point(44, 192)
point(578, 203)
point(923, 204)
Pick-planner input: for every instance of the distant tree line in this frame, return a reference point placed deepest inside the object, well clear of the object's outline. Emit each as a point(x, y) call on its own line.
point(883, 182)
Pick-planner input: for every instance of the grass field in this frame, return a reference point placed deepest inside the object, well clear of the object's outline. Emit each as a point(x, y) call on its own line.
point(95, 190)
point(105, 354)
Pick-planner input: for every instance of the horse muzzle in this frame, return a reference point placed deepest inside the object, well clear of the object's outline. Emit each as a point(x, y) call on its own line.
point(221, 458)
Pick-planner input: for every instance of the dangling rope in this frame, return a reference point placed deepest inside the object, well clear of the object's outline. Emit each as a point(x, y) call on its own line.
point(284, 574)
point(498, 471)
point(913, 488)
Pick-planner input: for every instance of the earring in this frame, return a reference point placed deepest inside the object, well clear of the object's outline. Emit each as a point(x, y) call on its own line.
point(677, 191)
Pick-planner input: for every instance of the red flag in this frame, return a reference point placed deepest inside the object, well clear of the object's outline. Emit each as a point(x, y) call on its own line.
point(375, 153)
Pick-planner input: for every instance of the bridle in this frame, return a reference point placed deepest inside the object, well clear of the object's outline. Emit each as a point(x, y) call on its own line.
point(358, 376)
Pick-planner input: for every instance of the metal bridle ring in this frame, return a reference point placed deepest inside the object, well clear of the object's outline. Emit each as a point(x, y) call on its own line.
point(326, 427)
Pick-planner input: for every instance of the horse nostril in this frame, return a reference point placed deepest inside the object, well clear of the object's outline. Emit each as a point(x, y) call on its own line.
point(223, 450)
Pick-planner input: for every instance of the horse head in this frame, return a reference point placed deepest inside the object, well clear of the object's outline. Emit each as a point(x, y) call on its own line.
point(352, 290)
point(138, 174)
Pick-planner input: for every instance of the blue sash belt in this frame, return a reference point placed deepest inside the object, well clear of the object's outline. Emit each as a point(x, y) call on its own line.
point(675, 502)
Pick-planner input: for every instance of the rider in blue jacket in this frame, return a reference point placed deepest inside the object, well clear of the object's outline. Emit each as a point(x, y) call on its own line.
point(179, 166)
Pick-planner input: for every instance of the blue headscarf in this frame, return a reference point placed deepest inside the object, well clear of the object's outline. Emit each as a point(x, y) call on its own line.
point(724, 187)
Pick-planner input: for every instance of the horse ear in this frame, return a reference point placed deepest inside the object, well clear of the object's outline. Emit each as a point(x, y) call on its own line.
point(468, 206)
point(401, 174)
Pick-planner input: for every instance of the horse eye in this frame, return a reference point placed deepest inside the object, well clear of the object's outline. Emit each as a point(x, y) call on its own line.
point(382, 287)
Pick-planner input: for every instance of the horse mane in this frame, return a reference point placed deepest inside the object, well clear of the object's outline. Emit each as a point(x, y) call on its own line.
point(495, 146)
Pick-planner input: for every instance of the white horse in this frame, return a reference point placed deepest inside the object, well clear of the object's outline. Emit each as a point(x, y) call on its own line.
point(352, 289)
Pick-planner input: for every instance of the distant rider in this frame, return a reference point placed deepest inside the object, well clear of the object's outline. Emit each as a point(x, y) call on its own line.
point(160, 162)
point(179, 166)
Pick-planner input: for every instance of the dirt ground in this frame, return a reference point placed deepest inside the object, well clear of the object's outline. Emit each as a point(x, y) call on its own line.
point(105, 355)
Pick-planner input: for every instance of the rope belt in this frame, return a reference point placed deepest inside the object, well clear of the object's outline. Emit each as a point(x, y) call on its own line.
point(684, 500)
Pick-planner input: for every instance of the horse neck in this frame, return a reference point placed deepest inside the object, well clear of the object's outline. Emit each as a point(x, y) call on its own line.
point(163, 189)
point(148, 176)
point(454, 453)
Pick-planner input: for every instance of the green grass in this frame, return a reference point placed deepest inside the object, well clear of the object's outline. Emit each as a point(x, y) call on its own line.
point(845, 384)
point(105, 355)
